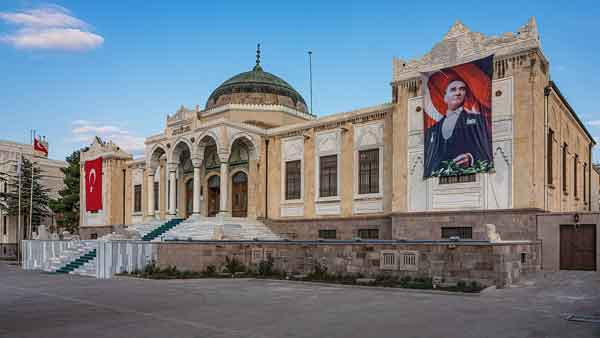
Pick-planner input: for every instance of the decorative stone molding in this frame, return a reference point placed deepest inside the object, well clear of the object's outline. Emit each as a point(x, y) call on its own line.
point(107, 150)
point(461, 45)
point(292, 211)
point(257, 107)
point(251, 141)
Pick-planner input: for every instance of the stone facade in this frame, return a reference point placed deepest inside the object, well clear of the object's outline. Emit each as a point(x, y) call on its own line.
point(491, 264)
point(189, 169)
point(51, 178)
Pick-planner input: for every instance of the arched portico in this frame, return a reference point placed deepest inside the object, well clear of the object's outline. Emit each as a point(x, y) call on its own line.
point(157, 153)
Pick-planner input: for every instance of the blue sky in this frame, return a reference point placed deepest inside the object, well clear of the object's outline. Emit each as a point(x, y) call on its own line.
point(74, 68)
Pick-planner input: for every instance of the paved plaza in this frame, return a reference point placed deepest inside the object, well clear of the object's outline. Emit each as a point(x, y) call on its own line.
point(43, 305)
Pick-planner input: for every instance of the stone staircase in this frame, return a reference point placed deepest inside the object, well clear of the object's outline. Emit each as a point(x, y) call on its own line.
point(216, 228)
point(162, 229)
point(79, 258)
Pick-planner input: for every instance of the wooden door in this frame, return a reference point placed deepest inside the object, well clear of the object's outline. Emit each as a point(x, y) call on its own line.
point(578, 247)
point(189, 197)
point(239, 191)
point(213, 195)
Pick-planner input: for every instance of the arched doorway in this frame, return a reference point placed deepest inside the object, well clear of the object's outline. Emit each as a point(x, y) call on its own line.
point(189, 197)
point(239, 192)
point(213, 195)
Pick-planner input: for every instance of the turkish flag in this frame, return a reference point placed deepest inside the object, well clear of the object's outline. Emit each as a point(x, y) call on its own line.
point(39, 146)
point(93, 184)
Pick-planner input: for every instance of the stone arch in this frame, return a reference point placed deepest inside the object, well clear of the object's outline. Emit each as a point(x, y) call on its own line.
point(179, 146)
point(209, 137)
point(156, 152)
point(248, 141)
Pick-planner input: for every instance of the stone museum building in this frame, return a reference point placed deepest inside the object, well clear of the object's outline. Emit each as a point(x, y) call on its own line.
point(254, 162)
point(51, 178)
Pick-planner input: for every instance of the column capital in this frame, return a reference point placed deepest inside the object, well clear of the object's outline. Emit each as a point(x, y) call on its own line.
point(224, 157)
point(197, 162)
point(172, 166)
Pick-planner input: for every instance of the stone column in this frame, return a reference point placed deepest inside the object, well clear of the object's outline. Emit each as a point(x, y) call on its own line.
point(151, 193)
point(172, 167)
point(196, 199)
point(224, 158)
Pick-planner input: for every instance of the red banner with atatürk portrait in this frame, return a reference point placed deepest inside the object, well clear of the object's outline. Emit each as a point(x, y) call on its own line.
point(458, 119)
point(93, 184)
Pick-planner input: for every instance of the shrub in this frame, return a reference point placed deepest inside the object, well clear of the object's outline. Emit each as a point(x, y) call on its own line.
point(265, 268)
point(210, 271)
point(232, 265)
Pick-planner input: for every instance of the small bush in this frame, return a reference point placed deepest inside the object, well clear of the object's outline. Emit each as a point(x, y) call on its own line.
point(265, 268)
point(210, 271)
point(232, 265)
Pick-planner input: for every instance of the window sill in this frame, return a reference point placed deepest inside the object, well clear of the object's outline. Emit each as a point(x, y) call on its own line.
point(288, 202)
point(137, 214)
point(329, 199)
point(376, 196)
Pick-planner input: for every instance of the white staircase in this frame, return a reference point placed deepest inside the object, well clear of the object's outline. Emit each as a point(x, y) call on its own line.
point(76, 250)
point(201, 228)
point(146, 227)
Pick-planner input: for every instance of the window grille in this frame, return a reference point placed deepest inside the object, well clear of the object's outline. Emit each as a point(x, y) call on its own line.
point(327, 234)
point(137, 198)
point(292, 180)
point(368, 175)
point(328, 176)
point(460, 232)
point(368, 233)
point(457, 179)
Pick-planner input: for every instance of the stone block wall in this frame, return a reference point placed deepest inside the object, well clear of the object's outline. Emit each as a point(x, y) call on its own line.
point(511, 224)
point(346, 228)
point(491, 264)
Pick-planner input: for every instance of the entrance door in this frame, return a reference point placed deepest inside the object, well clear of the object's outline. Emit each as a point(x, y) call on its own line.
point(213, 195)
point(239, 191)
point(189, 197)
point(578, 247)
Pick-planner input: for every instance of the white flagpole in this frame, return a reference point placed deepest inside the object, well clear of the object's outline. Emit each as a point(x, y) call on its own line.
point(19, 217)
point(29, 233)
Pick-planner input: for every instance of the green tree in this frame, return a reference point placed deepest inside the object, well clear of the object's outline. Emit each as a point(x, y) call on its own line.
point(67, 205)
point(38, 205)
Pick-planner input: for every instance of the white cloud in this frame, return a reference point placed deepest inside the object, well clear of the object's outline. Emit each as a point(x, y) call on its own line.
point(593, 123)
point(49, 27)
point(84, 131)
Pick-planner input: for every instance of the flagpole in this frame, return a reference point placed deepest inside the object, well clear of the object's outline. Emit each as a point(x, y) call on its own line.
point(29, 233)
point(19, 217)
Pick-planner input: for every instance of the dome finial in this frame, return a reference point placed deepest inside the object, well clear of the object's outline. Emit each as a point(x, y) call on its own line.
point(258, 67)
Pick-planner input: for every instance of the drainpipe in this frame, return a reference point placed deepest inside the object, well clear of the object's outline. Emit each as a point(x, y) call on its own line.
point(545, 185)
point(124, 197)
point(589, 181)
point(266, 179)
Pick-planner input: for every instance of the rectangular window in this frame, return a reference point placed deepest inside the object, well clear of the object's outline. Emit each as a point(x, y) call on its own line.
point(549, 157)
point(457, 179)
point(292, 180)
point(5, 225)
point(368, 171)
point(584, 183)
point(137, 198)
point(460, 232)
point(368, 233)
point(327, 234)
point(328, 176)
point(156, 195)
point(564, 168)
point(575, 159)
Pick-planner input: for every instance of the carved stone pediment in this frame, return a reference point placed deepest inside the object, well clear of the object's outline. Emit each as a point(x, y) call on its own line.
point(182, 114)
point(461, 45)
point(106, 150)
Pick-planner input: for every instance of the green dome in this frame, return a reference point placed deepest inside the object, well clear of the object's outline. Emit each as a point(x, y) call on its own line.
point(256, 87)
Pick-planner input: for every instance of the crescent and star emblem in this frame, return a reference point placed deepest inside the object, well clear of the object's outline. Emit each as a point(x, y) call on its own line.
point(92, 182)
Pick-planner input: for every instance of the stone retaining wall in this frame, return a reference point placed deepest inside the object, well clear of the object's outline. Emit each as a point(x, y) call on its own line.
point(499, 264)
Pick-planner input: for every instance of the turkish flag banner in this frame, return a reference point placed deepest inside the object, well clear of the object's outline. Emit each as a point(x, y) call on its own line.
point(93, 184)
point(39, 146)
